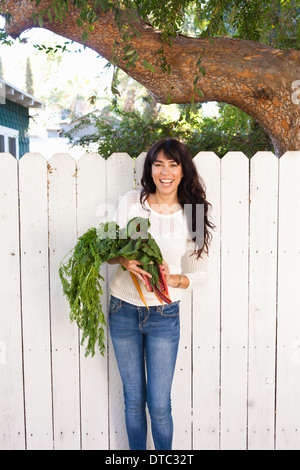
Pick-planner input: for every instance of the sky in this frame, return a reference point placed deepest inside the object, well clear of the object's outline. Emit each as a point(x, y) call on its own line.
point(79, 60)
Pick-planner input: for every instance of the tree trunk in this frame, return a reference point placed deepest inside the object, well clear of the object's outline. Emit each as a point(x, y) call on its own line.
point(262, 81)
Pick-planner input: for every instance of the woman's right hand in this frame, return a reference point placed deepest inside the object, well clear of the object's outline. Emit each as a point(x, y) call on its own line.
point(132, 265)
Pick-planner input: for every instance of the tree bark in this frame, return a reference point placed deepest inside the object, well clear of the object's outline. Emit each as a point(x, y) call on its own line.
point(262, 81)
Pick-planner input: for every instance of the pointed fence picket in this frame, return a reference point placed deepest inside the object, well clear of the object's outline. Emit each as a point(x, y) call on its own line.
point(288, 319)
point(205, 325)
point(263, 227)
point(12, 421)
point(237, 379)
point(35, 300)
point(91, 192)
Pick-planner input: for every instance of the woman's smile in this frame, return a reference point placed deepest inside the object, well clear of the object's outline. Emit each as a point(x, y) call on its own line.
point(166, 182)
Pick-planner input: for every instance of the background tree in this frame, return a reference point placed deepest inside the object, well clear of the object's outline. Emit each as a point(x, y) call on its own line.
point(233, 59)
point(29, 78)
point(1, 68)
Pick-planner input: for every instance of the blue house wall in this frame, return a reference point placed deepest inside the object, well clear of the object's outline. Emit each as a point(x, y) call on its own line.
point(16, 116)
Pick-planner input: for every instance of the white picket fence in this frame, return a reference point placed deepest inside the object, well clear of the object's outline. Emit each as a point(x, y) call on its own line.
point(237, 381)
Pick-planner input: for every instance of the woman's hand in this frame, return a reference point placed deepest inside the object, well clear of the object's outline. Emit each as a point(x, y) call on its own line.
point(166, 270)
point(132, 265)
point(173, 280)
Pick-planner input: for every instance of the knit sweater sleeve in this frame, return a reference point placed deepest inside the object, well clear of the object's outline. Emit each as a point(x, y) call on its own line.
point(196, 270)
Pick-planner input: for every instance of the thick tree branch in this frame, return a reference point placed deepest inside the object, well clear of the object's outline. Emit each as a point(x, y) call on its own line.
point(249, 75)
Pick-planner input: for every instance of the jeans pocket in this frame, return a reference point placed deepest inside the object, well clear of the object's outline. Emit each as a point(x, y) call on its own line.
point(114, 305)
point(170, 310)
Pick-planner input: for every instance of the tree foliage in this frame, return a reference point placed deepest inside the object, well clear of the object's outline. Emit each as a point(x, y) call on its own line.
point(274, 22)
point(117, 130)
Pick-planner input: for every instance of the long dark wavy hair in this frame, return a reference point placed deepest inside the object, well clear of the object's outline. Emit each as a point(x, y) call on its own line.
point(191, 189)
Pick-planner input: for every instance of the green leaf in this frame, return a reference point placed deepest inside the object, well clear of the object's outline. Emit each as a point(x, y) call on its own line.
point(34, 17)
point(200, 92)
point(49, 13)
point(115, 91)
point(40, 19)
point(132, 61)
point(149, 66)
point(129, 53)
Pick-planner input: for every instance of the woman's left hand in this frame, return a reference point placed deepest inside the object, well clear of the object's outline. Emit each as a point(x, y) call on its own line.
point(172, 280)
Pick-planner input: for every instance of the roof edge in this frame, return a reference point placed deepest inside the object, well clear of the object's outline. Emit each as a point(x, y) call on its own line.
point(12, 93)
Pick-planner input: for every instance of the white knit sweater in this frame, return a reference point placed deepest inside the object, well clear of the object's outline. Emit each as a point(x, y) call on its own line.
point(171, 234)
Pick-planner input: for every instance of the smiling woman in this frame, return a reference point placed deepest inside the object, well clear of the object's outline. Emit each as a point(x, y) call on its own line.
point(170, 180)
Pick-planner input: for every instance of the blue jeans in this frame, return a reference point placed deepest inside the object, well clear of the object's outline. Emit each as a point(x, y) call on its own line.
point(146, 342)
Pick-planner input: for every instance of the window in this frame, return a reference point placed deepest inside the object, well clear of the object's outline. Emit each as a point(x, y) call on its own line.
point(12, 146)
point(9, 141)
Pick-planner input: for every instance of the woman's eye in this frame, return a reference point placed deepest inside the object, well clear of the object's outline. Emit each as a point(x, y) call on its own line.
point(172, 165)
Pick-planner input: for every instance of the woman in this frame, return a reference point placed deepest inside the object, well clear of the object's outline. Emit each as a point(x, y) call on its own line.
point(146, 342)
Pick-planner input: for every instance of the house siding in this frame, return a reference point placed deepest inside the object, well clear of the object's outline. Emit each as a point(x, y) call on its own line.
point(16, 116)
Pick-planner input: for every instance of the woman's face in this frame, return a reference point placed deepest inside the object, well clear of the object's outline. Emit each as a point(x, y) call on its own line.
point(166, 174)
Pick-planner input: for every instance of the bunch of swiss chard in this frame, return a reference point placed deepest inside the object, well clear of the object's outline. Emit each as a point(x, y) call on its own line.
point(81, 279)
